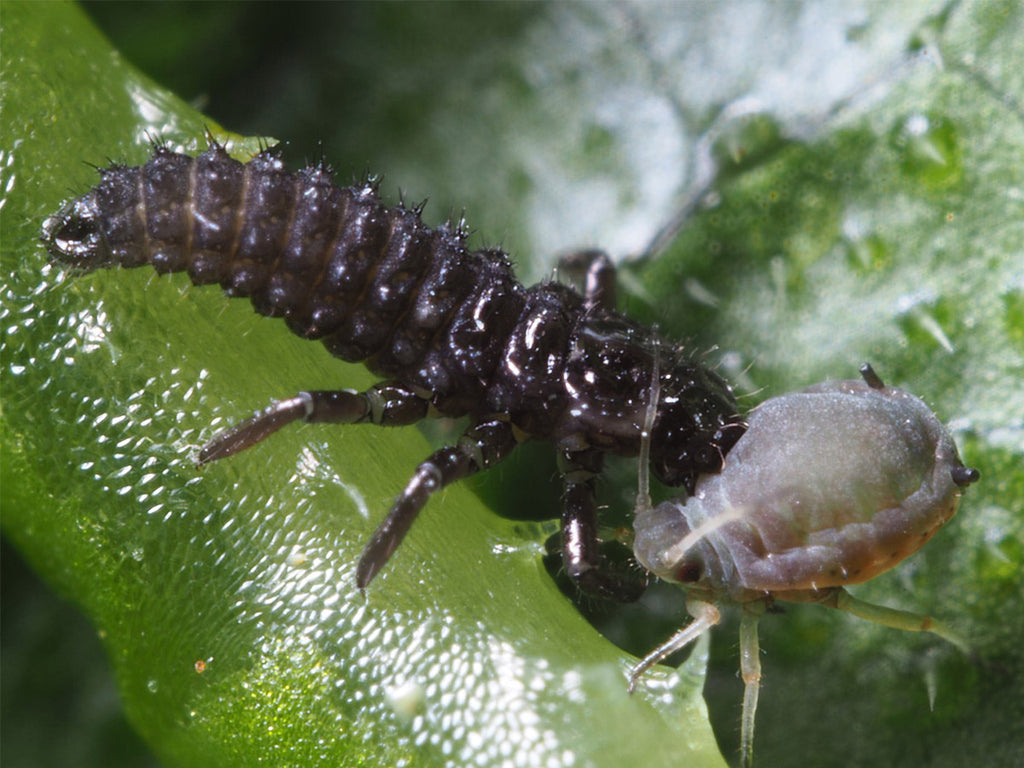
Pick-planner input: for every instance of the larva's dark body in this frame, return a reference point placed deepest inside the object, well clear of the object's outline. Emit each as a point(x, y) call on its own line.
point(443, 326)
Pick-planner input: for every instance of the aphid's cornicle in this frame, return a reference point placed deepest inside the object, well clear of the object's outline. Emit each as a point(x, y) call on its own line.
point(444, 327)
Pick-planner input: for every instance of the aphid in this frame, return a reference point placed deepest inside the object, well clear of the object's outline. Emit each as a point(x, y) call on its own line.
point(450, 332)
point(828, 486)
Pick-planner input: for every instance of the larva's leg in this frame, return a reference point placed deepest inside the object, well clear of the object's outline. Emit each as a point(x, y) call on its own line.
point(480, 446)
point(580, 545)
point(705, 616)
point(386, 404)
point(596, 273)
point(842, 600)
point(750, 670)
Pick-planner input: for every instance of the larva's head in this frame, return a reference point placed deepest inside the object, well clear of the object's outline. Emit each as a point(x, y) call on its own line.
point(697, 423)
point(73, 235)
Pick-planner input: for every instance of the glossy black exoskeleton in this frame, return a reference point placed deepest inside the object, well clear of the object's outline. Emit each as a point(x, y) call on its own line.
point(449, 331)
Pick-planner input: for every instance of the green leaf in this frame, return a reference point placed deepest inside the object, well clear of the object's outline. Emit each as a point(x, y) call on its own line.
point(866, 207)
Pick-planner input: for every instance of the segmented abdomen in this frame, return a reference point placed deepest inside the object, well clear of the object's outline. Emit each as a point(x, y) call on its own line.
point(373, 282)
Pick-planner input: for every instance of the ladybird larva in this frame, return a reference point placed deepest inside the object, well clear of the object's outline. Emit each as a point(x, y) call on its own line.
point(449, 331)
point(829, 486)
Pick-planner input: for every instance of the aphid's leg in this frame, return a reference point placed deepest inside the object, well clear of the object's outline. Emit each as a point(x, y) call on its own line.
point(580, 545)
point(480, 446)
point(891, 617)
point(595, 271)
point(750, 669)
point(386, 404)
point(705, 615)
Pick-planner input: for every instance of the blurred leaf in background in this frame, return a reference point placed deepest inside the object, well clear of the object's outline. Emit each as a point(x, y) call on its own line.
point(846, 185)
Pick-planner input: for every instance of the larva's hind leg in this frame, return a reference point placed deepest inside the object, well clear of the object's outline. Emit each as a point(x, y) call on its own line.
point(580, 545)
point(481, 446)
point(386, 404)
point(842, 600)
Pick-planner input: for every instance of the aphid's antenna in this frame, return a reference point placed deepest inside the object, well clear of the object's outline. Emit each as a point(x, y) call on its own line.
point(643, 475)
point(677, 551)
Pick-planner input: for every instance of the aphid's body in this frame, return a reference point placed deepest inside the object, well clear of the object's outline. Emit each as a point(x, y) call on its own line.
point(448, 330)
point(828, 487)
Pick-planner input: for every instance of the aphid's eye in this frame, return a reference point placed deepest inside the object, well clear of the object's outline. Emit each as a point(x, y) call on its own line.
point(688, 573)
